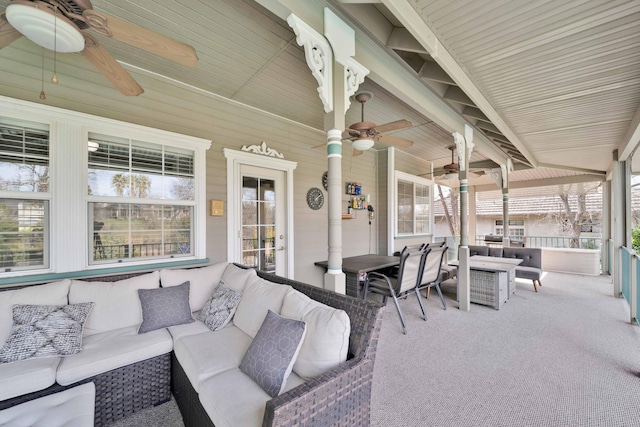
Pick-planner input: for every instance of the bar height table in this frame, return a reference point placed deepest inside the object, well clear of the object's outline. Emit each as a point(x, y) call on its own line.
point(355, 265)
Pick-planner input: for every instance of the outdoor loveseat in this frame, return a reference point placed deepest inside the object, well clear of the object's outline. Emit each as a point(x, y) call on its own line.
point(530, 268)
point(205, 370)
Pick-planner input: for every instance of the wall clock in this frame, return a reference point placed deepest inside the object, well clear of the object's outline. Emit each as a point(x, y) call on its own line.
point(315, 198)
point(325, 180)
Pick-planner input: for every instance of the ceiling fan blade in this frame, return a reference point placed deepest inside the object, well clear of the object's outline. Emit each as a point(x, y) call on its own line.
point(142, 38)
point(397, 125)
point(357, 152)
point(8, 34)
point(395, 141)
point(110, 68)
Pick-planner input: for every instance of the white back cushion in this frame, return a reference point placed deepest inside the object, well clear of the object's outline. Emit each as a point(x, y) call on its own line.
point(203, 281)
point(116, 304)
point(238, 278)
point(327, 341)
point(258, 297)
point(54, 293)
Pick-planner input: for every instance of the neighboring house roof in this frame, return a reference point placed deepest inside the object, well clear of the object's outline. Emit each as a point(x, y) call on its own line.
point(532, 205)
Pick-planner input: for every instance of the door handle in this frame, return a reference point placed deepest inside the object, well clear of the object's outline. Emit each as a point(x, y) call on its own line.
point(281, 248)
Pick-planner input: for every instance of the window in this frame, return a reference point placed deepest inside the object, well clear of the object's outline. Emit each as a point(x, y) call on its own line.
point(153, 177)
point(413, 195)
point(516, 228)
point(80, 192)
point(24, 195)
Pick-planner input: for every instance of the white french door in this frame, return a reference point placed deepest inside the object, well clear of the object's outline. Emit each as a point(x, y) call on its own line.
point(263, 219)
point(260, 211)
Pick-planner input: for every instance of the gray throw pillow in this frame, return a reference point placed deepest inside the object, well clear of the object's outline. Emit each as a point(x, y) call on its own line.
point(272, 353)
point(219, 310)
point(164, 307)
point(45, 331)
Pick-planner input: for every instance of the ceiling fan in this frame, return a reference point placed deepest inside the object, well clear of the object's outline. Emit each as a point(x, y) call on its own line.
point(57, 25)
point(451, 170)
point(364, 134)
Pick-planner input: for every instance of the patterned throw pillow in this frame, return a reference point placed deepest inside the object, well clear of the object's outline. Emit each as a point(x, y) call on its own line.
point(45, 331)
point(219, 310)
point(164, 307)
point(272, 353)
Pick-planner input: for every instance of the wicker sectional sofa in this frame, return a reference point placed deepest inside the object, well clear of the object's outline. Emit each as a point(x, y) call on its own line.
point(198, 366)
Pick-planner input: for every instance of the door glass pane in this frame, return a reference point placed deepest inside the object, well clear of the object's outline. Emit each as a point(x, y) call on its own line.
point(258, 223)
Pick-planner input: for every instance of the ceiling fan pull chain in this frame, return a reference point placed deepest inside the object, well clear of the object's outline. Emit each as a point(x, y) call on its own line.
point(54, 77)
point(42, 95)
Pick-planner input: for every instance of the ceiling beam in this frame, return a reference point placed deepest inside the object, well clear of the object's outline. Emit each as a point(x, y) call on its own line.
point(405, 13)
point(544, 182)
point(401, 39)
point(432, 71)
point(631, 138)
point(387, 71)
point(571, 168)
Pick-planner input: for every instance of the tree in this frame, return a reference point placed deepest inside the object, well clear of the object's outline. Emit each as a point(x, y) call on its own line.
point(451, 210)
point(119, 183)
point(575, 215)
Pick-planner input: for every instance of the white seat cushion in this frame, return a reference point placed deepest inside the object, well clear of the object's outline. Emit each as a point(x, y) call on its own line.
point(26, 376)
point(327, 341)
point(203, 281)
point(73, 407)
point(111, 350)
point(204, 355)
point(115, 304)
point(258, 297)
point(54, 293)
point(231, 398)
point(194, 328)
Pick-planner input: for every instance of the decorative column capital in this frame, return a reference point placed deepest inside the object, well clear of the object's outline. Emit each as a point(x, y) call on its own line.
point(317, 52)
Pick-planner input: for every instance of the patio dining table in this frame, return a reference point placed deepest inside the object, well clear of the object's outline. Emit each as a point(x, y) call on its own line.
point(355, 266)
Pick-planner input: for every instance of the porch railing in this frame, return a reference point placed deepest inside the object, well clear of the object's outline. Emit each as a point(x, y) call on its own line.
point(554, 241)
point(141, 250)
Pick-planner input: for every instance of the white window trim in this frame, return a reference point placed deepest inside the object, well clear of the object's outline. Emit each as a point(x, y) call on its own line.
point(68, 134)
point(235, 159)
point(403, 176)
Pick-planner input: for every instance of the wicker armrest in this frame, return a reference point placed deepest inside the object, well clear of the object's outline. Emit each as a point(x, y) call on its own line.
point(340, 397)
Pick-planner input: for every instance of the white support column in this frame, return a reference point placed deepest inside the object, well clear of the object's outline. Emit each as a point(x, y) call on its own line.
point(606, 226)
point(473, 232)
point(618, 215)
point(464, 145)
point(505, 205)
point(337, 81)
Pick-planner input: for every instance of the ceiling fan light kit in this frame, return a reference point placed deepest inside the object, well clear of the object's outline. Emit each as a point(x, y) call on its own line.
point(60, 25)
point(362, 144)
point(44, 28)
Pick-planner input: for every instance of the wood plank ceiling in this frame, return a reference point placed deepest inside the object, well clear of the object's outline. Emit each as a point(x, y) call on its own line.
point(563, 78)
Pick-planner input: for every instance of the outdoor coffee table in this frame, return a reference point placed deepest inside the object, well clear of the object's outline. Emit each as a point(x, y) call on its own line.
point(488, 281)
point(511, 284)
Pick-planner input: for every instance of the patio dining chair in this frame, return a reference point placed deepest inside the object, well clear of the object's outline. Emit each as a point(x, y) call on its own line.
point(431, 274)
point(409, 277)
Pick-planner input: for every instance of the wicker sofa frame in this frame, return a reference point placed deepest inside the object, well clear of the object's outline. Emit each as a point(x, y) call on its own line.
point(340, 397)
point(119, 392)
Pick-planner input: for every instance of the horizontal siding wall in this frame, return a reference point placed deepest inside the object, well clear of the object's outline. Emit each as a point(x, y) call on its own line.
point(170, 106)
